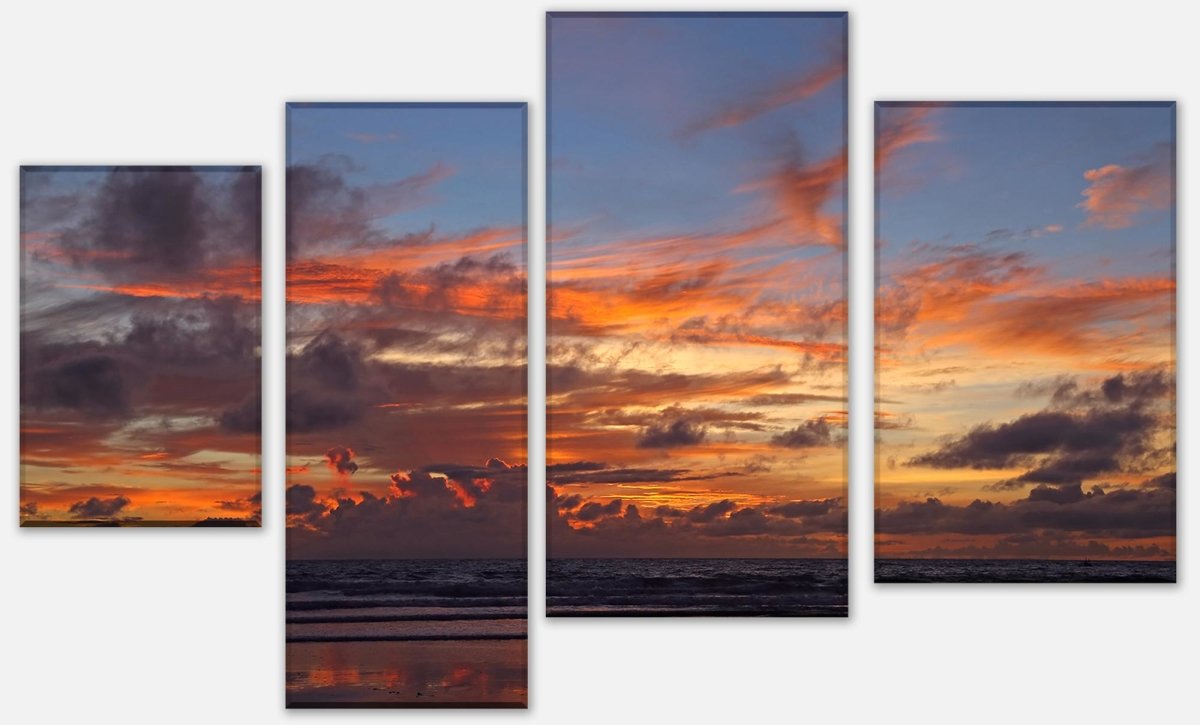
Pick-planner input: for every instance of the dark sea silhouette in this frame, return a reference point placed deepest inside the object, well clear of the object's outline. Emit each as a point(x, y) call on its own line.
point(696, 587)
point(1023, 570)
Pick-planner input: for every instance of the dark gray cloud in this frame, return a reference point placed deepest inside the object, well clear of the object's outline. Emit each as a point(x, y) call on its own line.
point(330, 361)
point(308, 412)
point(92, 384)
point(1082, 434)
point(568, 503)
point(575, 467)
point(617, 528)
point(420, 483)
point(744, 522)
point(157, 216)
point(700, 416)
point(675, 434)
point(244, 222)
point(803, 509)
point(709, 512)
point(301, 500)
point(593, 510)
point(251, 503)
point(1167, 481)
point(98, 508)
point(1138, 512)
point(150, 221)
point(810, 434)
point(1059, 494)
point(442, 510)
point(207, 332)
point(341, 459)
point(495, 479)
point(324, 207)
point(193, 356)
point(437, 288)
point(596, 387)
point(334, 383)
point(999, 446)
point(588, 472)
point(321, 205)
point(1137, 387)
point(245, 417)
point(328, 385)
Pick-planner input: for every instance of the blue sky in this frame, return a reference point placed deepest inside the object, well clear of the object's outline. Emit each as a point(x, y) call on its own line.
point(1017, 166)
point(625, 92)
point(388, 142)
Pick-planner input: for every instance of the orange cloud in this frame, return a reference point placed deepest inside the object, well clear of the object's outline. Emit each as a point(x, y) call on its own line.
point(995, 301)
point(452, 274)
point(803, 193)
point(830, 351)
point(1116, 194)
point(42, 246)
point(765, 101)
point(946, 289)
point(1075, 320)
point(243, 281)
point(900, 127)
point(658, 292)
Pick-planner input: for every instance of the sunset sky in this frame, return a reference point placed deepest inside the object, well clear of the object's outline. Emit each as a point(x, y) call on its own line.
point(696, 355)
point(140, 344)
point(1025, 331)
point(406, 402)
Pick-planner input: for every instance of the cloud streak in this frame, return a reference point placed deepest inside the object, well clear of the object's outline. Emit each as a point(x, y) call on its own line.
point(794, 90)
point(1116, 195)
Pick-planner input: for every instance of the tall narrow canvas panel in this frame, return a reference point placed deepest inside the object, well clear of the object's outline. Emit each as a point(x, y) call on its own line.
point(1025, 332)
point(140, 345)
point(696, 381)
point(406, 405)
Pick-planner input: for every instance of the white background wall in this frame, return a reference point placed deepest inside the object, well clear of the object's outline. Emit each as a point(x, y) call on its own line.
point(186, 625)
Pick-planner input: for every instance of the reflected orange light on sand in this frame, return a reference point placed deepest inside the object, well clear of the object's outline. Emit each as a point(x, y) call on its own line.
point(429, 671)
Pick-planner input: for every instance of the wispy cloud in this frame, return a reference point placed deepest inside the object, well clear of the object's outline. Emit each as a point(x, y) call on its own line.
point(1116, 195)
point(899, 128)
point(794, 90)
point(369, 138)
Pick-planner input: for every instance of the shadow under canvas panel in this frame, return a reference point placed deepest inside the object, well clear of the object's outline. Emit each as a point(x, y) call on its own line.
point(1025, 335)
point(696, 382)
point(406, 405)
point(140, 365)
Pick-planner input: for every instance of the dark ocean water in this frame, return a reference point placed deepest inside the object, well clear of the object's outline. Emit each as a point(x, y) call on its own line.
point(405, 600)
point(1022, 570)
point(696, 587)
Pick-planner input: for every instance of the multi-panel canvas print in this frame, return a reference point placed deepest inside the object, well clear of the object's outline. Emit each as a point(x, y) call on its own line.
point(406, 405)
point(140, 345)
point(1025, 335)
point(696, 352)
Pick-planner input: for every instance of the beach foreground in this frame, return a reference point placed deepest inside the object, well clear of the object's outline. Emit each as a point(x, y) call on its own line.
point(449, 673)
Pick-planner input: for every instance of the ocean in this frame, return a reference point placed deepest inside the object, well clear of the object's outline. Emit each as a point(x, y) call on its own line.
point(696, 587)
point(1022, 570)
point(406, 633)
